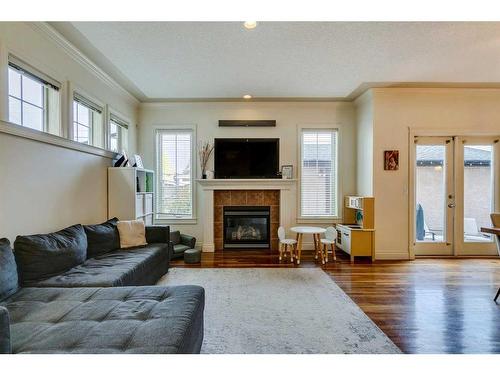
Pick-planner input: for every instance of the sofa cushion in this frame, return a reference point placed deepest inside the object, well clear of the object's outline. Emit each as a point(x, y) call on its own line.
point(180, 249)
point(157, 233)
point(134, 266)
point(8, 270)
point(132, 233)
point(102, 238)
point(44, 255)
point(152, 319)
point(175, 237)
point(5, 346)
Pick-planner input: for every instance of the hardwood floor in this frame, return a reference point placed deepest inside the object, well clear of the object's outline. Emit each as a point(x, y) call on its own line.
point(424, 306)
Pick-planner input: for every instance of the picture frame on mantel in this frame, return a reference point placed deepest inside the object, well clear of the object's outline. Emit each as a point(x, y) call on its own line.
point(287, 172)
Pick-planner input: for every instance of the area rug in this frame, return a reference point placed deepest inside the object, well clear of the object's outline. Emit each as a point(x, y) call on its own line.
point(273, 310)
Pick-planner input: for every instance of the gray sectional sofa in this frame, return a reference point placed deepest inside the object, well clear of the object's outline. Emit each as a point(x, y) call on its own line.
point(75, 291)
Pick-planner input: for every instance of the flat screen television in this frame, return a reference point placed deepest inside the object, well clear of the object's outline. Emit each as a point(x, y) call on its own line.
point(246, 157)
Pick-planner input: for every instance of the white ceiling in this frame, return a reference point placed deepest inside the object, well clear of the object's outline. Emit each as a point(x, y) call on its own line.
point(174, 60)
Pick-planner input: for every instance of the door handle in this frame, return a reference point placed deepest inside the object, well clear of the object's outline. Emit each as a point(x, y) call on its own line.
point(451, 205)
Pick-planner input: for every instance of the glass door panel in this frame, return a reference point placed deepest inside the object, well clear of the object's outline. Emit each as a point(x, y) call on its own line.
point(433, 179)
point(477, 193)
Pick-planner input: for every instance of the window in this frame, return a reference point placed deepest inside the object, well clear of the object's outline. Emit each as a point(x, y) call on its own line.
point(33, 100)
point(318, 183)
point(174, 171)
point(87, 122)
point(118, 134)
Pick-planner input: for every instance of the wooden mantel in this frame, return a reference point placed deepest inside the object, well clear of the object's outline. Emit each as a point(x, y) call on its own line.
point(246, 184)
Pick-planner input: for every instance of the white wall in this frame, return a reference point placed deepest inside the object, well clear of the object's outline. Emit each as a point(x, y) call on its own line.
point(289, 115)
point(461, 111)
point(364, 144)
point(46, 187)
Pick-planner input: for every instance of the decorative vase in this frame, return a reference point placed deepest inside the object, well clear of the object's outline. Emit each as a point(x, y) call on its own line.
point(204, 176)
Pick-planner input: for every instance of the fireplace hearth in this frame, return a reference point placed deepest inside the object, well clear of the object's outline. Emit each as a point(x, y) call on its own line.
point(246, 227)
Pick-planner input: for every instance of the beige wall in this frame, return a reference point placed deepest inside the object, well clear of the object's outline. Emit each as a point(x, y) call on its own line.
point(289, 115)
point(46, 187)
point(42, 52)
point(364, 144)
point(460, 111)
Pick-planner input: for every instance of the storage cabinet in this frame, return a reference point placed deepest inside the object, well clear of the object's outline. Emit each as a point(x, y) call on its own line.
point(357, 236)
point(131, 194)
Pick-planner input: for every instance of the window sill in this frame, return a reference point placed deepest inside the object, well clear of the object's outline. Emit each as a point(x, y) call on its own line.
point(36, 135)
point(318, 220)
point(191, 221)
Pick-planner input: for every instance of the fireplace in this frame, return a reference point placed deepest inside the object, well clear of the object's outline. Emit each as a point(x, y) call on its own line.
point(247, 227)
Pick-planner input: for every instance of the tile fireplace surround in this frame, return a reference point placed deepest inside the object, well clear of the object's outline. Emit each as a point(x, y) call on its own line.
point(278, 194)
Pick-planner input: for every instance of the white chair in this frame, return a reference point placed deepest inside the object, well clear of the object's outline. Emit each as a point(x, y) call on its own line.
point(329, 240)
point(286, 244)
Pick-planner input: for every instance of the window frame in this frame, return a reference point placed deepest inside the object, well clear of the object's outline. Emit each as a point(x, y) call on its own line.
point(339, 198)
point(157, 129)
point(26, 71)
point(59, 133)
point(117, 118)
point(80, 96)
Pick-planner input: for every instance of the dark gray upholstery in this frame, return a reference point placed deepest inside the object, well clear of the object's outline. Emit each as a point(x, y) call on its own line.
point(41, 256)
point(181, 243)
point(175, 237)
point(151, 319)
point(102, 238)
point(4, 331)
point(157, 234)
point(132, 266)
point(8, 270)
point(188, 240)
point(180, 249)
point(192, 256)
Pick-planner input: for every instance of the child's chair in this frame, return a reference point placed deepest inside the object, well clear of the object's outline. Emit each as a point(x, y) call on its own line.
point(286, 244)
point(329, 239)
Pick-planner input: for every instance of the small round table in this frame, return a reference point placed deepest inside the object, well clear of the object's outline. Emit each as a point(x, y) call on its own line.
point(315, 231)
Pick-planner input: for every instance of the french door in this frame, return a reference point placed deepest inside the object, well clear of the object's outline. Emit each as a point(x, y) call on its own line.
point(455, 188)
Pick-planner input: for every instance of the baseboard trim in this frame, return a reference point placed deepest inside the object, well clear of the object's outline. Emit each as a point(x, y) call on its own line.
point(392, 256)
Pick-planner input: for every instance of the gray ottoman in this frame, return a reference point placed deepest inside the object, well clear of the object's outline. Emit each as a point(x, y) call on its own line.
point(192, 256)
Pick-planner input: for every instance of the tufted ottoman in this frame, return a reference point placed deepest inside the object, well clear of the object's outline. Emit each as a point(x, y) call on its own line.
point(149, 319)
point(192, 256)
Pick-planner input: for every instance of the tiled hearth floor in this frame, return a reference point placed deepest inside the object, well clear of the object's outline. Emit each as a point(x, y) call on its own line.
point(424, 306)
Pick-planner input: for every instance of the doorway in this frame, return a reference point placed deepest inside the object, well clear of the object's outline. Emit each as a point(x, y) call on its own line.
point(455, 188)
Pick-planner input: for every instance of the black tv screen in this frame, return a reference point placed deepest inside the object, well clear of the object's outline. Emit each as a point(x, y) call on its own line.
point(246, 157)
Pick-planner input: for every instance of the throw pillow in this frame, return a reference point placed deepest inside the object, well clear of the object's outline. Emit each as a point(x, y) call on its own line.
point(132, 233)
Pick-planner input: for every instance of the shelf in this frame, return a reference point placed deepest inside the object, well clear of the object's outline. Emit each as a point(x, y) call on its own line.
point(247, 184)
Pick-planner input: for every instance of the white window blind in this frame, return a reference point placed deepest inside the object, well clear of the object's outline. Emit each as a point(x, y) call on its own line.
point(174, 166)
point(318, 183)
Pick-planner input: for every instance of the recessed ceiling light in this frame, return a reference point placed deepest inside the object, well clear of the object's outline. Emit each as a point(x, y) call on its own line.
point(247, 96)
point(250, 24)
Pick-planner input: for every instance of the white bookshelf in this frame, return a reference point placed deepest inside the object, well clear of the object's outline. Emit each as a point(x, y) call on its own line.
point(131, 194)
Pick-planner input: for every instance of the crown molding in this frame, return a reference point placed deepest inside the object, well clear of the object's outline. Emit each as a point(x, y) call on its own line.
point(80, 58)
point(160, 102)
